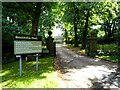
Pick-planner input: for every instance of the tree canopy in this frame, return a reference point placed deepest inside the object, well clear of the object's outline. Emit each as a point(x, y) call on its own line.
point(76, 19)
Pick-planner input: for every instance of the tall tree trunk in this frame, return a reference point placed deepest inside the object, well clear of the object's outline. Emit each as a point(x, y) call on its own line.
point(75, 28)
point(76, 38)
point(36, 18)
point(84, 37)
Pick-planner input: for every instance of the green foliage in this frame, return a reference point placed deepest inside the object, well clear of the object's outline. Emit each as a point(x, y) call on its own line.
point(77, 18)
point(17, 18)
point(100, 13)
point(19, 15)
point(101, 52)
point(112, 58)
point(45, 78)
point(107, 50)
point(101, 34)
point(47, 18)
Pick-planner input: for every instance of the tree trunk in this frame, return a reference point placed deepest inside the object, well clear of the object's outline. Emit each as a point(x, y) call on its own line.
point(66, 36)
point(36, 18)
point(75, 28)
point(35, 21)
point(76, 38)
point(84, 37)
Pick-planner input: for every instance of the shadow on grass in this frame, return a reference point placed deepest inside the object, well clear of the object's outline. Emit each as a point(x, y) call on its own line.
point(11, 77)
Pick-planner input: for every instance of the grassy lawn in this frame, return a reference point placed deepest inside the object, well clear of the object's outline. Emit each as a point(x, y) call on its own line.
point(45, 78)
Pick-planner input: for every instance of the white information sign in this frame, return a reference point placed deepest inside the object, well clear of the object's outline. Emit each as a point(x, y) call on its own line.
point(26, 47)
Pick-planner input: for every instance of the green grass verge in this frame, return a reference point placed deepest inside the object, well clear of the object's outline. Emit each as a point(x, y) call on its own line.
point(108, 48)
point(45, 78)
point(113, 58)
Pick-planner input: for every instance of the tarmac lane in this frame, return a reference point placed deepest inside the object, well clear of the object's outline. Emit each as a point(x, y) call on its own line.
point(84, 72)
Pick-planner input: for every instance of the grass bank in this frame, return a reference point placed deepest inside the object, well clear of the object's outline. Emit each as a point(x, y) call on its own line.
point(45, 78)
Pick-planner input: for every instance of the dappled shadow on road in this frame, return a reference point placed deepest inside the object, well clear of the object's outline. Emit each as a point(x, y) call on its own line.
point(95, 76)
point(112, 80)
point(68, 57)
point(85, 71)
point(80, 63)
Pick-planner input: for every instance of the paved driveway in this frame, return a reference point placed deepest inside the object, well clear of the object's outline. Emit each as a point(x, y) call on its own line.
point(85, 72)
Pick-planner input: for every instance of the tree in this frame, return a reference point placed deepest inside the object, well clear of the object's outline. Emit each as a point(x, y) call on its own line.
point(108, 20)
point(36, 18)
point(20, 18)
point(71, 18)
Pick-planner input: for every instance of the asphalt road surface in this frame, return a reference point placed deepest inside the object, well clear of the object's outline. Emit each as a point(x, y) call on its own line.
point(84, 72)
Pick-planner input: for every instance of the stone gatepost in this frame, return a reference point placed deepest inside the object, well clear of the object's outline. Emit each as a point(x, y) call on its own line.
point(50, 44)
point(92, 45)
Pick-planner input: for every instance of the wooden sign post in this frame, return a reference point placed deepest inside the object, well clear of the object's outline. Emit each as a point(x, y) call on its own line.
point(25, 44)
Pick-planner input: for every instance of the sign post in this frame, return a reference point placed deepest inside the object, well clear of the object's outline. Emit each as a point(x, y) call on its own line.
point(36, 62)
point(20, 62)
point(20, 66)
point(25, 44)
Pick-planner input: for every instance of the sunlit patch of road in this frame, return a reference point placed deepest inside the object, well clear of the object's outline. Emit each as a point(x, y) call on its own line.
point(84, 72)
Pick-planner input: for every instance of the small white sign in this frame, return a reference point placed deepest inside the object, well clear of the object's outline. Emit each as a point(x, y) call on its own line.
point(18, 56)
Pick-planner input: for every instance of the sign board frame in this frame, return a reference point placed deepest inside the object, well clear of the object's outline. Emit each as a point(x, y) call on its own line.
point(27, 38)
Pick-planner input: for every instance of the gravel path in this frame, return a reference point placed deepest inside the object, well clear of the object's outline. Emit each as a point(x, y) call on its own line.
point(79, 71)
